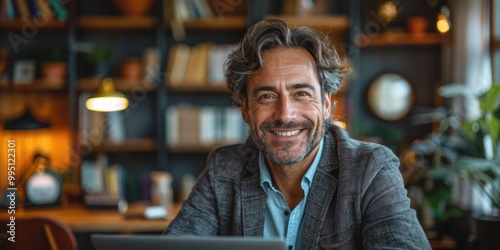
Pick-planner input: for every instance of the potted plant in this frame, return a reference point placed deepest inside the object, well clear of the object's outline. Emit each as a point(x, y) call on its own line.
point(99, 57)
point(468, 149)
point(53, 66)
point(481, 163)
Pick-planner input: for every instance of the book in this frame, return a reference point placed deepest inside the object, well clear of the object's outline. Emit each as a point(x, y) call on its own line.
point(201, 9)
point(33, 9)
point(177, 63)
point(172, 128)
point(24, 11)
point(218, 57)
point(197, 66)
point(114, 184)
point(44, 9)
point(60, 12)
point(207, 125)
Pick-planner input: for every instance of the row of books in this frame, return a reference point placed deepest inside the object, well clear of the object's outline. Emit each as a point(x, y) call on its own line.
point(105, 185)
point(189, 125)
point(32, 9)
point(186, 125)
point(199, 65)
point(183, 10)
point(97, 127)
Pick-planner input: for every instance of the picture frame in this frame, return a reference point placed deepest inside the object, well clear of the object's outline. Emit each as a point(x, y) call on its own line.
point(24, 72)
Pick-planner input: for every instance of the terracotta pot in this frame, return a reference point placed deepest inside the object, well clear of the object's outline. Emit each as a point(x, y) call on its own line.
point(131, 69)
point(133, 7)
point(417, 25)
point(54, 72)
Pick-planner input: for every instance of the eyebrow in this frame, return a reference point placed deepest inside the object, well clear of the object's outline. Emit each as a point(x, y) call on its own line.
point(294, 86)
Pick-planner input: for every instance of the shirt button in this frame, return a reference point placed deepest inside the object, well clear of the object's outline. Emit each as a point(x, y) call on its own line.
point(286, 212)
point(290, 247)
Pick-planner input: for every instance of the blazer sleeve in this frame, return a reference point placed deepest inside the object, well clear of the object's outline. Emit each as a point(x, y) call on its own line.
point(198, 215)
point(388, 222)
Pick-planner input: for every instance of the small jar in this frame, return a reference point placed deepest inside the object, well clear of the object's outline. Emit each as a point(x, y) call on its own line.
point(161, 189)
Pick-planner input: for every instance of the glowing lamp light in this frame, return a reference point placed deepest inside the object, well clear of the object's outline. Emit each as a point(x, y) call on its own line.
point(442, 24)
point(443, 20)
point(107, 99)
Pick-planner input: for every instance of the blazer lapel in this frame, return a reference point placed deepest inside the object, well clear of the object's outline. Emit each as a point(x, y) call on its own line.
point(320, 196)
point(253, 200)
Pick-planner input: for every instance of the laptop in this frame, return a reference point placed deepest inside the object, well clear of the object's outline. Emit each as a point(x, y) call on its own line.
point(164, 242)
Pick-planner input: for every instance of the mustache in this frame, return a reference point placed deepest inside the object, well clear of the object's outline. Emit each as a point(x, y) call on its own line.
point(280, 125)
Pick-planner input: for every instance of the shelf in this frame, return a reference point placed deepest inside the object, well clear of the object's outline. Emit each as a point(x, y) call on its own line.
point(36, 86)
point(127, 86)
point(332, 23)
point(19, 24)
point(225, 23)
point(193, 149)
point(220, 88)
point(129, 145)
point(116, 23)
point(402, 39)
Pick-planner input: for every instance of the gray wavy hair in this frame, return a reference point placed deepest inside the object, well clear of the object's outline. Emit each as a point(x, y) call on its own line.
point(247, 59)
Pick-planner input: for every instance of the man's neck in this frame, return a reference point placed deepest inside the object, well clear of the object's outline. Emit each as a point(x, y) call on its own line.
point(288, 178)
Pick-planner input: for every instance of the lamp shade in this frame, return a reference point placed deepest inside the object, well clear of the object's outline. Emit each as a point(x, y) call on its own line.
point(107, 99)
point(25, 122)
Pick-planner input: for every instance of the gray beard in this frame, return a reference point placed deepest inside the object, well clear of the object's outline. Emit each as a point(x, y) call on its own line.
point(288, 159)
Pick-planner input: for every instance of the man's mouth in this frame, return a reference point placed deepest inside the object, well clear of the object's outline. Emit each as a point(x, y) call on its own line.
point(286, 133)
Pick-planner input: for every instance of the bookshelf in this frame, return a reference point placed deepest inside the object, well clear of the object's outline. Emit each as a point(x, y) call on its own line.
point(144, 145)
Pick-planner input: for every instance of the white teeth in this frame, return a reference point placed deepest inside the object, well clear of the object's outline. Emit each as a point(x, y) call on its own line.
point(288, 133)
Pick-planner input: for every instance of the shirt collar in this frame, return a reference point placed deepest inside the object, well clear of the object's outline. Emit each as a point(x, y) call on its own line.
point(265, 176)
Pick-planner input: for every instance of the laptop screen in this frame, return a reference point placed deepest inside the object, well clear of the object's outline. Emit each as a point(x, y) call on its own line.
point(157, 242)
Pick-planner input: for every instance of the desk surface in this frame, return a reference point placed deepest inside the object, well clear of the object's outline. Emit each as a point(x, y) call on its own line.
point(82, 220)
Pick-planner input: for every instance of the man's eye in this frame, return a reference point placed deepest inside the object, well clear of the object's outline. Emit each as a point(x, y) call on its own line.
point(302, 93)
point(265, 96)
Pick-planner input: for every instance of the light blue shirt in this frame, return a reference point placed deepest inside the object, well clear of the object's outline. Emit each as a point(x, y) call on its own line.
point(279, 221)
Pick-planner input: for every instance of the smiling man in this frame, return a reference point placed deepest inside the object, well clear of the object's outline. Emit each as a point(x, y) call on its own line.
point(298, 176)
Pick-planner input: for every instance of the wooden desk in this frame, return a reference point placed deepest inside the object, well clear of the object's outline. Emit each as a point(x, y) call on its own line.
point(82, 220)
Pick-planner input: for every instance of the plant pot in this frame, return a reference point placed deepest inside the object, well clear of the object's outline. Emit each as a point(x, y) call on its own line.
point(131, 69)
point(133, 7)
point(54, 72)
point(417, 25)
point(487, 228)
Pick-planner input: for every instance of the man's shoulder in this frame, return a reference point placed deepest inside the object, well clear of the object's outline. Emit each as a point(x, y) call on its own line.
point(356, 154)
point(346, 145)
point(231, 159)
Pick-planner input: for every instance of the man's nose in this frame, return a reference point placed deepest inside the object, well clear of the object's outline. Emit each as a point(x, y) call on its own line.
point(285, 110)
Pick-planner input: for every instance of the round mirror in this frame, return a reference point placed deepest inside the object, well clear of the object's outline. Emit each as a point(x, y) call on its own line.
point(390, 96)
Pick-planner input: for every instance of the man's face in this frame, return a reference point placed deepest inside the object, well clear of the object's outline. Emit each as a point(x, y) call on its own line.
point(284, 106)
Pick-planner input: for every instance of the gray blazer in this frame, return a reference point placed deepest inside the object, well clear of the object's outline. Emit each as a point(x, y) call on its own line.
point(357, 199)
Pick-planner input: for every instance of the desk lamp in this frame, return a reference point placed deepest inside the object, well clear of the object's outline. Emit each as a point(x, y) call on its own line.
point(107, 99)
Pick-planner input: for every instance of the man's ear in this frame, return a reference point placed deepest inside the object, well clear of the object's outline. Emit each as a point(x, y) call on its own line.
point(244, 110)
point(327, 106)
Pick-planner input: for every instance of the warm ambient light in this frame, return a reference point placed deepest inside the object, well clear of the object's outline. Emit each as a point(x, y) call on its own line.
point(107, 99)
point(443, 20)
point(442, 24)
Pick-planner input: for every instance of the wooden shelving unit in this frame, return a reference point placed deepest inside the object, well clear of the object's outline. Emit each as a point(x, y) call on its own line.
point(116, 23)
point(17, 24)
point(127, 146)
point(223, 23)
point(126, 86)
point(402, 39)
point(332, 23)
point(36, 86)
point(221, 88)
